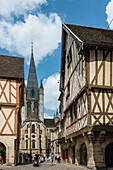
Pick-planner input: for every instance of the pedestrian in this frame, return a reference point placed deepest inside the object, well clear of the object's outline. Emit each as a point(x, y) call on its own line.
point(20, 158)
point(52, 156)
point(0, 159)
point(24, 157)
point(44, 156)
point(47, 156)
point(58, 158)
point(37, 157)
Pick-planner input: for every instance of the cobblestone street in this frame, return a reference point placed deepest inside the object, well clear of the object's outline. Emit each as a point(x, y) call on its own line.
point(43, 166)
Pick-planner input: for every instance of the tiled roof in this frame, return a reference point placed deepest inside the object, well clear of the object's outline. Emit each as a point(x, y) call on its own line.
point(33, 117)
point(49, 122)
point(11, 67)
point(92, 36)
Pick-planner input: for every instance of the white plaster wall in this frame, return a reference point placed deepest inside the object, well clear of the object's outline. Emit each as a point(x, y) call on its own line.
point(11, 120)
point(107, 71)
point(77, 81)
point(93, 71)
point(2, 82)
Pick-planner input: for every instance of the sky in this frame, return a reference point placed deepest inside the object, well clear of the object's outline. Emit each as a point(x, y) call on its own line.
point(41, 21)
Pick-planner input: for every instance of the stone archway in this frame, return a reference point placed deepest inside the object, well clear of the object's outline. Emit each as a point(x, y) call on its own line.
point(3, 152)
point(109, 155)
point(83, 154)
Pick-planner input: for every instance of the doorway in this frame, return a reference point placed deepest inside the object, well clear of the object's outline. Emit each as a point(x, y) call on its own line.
point(83, 154)
point(3, 152)
point(109, 155)
point(73, 155)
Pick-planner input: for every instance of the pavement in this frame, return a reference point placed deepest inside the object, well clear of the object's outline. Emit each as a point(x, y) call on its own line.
point(43, 166)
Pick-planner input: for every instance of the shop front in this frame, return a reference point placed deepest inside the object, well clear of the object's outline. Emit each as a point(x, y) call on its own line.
point(65, 153)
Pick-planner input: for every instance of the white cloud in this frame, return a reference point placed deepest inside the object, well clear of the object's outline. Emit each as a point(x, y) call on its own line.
point(109, 12)
point(19, 7)
point(51, 92)
point(25, 83)
point(44, 31)
point(46, 115)
point(16, 35)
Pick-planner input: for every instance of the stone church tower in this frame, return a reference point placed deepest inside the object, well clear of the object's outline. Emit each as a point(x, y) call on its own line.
point(34, 96)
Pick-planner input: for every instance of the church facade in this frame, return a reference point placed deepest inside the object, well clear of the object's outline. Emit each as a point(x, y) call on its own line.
point(33, 130)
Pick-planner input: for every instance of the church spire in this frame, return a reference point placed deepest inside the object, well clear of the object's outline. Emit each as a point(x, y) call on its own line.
point(32, 84)
point(32, 49)
point(41, 85)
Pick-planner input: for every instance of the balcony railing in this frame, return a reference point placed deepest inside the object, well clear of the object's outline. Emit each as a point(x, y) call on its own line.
point(77, 125)
point(61, 134)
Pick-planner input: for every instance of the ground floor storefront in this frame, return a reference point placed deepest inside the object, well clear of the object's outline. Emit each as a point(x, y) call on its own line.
point(9, 150)
point(92, 149)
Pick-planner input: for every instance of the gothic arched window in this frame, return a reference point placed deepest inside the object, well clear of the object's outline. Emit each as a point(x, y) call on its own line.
point(33, 143)
point(28, 108)
point(36, 108)
point(33, 128)
point(32, 93)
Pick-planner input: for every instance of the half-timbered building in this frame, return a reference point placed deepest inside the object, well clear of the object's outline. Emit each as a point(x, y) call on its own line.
point(11, 101)
point(86, 99)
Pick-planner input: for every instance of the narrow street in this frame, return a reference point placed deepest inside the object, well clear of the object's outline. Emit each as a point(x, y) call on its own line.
point(43, 166)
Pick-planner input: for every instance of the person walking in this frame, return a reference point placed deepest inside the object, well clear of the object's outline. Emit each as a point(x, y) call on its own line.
point(44, 156)
point(24, 157)
point(58, 158)
point(52, 156)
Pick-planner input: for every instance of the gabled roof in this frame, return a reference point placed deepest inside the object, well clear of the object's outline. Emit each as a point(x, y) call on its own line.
point(11, 67)
point(33, 117)
point(85, 37)
point(91, 36)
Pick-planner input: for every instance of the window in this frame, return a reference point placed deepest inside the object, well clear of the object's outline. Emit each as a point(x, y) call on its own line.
point(33, 143)
point(32, 93)
point(28, 108)
point(33, 128)
point(36, 108)
point(68, 90)
point(69, 58)
point(75, 110)
point(71, 113)
point(26, 144)
point(33, 136)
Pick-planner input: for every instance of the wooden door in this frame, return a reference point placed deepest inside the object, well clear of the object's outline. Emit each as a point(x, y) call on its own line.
point(109, 155)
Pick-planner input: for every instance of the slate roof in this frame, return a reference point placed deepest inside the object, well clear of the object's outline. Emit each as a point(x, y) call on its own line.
point(32, 83)
point(92, 36)
point(33, 117)
point(11, 66)
point(49, 122)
